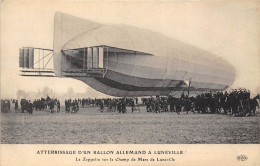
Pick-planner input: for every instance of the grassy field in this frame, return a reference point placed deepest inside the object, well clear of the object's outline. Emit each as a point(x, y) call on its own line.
point(89, 126)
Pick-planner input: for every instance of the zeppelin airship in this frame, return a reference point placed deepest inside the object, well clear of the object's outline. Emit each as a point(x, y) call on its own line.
point(122, 60)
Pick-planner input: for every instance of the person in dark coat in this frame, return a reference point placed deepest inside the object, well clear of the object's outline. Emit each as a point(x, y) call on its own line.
point(29, 107)
point(58, 105)
point(51, 106)
point(16, 106)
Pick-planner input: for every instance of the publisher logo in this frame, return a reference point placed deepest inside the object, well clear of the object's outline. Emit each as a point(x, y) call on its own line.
point(242, 157)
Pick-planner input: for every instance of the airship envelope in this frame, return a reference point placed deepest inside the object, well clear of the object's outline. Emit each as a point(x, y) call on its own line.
point(122, 60)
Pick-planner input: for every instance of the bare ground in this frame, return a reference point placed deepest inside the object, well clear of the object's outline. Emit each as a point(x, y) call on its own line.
point(89, 126)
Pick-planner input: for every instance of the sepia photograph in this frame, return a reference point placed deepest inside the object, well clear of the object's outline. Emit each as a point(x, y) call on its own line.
point(121, 72)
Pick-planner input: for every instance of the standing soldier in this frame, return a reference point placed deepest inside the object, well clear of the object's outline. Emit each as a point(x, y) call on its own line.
point(101, 105)
point(178, 105)
point(58, 105)
point(51, 106)
point(16, 106)
point(132, 104)
point(119, 106)
point(123, 105)
point(157, 104)
point(170, 102)
point(9, 105)
point(182, 96)
point(29, 107)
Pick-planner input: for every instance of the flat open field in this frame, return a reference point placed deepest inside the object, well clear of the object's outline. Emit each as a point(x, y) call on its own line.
point(89, 126)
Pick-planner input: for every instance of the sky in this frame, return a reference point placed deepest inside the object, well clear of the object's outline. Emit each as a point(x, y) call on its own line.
point(229, 29)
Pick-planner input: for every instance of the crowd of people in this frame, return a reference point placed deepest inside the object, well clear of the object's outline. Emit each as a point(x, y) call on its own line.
point(51, 105)
point(235, 102)
point(72, 106)
point(105, 104)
